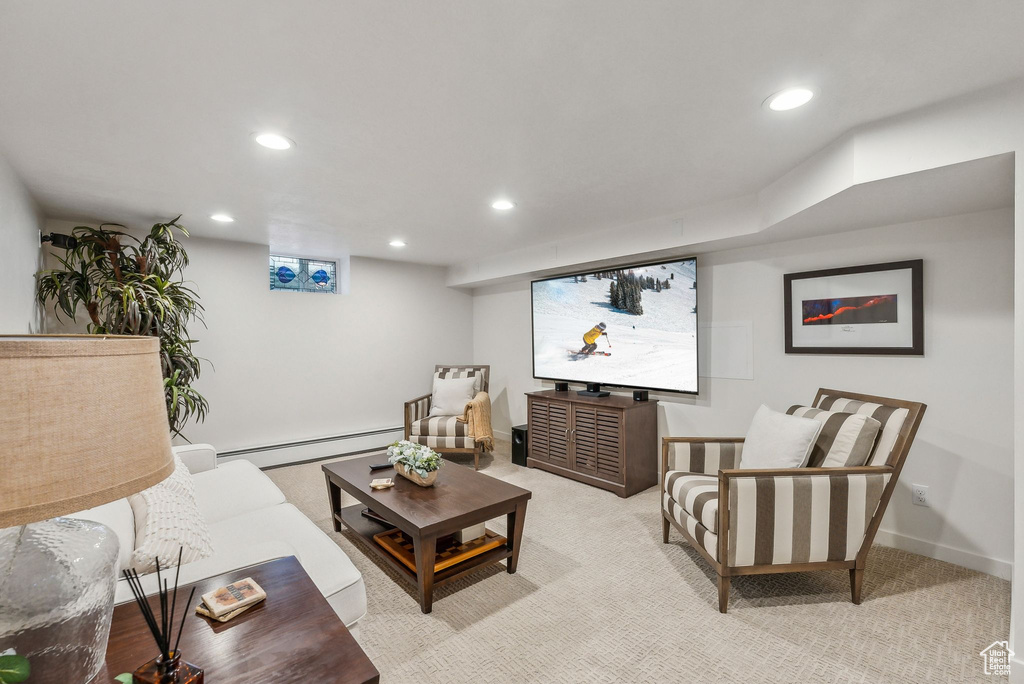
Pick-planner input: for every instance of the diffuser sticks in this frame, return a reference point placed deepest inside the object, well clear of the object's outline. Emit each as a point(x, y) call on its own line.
point(162, 626)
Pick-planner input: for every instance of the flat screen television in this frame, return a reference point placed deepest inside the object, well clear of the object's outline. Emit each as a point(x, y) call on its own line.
point(631, 326)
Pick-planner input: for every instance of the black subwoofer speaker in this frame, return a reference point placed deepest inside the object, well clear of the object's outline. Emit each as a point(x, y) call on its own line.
point(519, 445)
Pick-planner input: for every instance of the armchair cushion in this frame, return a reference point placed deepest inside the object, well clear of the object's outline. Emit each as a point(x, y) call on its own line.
point(846, 439)
point(777, 440)
point(696, 494)
point(440, 443)
point(789, 518)
point(704, 537)
point(478, 375)
point(451, 395)
point(890, 417)
point(440, 426)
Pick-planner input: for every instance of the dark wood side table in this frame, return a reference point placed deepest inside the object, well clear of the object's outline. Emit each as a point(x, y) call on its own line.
point(460, 498)
point(292, 636)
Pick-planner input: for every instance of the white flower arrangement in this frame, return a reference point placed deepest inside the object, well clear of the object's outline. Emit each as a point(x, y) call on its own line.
point(417, 457)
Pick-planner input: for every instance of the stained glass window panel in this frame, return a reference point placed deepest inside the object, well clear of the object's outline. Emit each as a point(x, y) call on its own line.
point(297, 274)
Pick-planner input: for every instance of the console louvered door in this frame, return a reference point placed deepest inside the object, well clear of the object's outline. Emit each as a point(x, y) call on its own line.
point(609, 445)
point(549, 432)
point(584, 439)
point(558, 434)
point(537, 437)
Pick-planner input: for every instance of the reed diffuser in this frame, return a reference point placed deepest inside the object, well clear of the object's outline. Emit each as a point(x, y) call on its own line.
point(168, 667)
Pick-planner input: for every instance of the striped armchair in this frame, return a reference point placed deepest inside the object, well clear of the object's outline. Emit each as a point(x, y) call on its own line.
point(445, 434)
point(791, 519)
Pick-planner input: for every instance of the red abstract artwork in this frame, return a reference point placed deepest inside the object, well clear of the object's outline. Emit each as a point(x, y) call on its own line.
point(849, 310)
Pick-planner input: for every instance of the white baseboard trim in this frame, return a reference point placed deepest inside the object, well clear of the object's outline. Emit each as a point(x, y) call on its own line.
point(991, 566)
point(315, 449)
point(1016, 670)
point(507, 436)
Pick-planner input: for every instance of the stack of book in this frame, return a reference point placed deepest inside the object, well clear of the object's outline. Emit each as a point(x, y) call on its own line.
point(227, 602)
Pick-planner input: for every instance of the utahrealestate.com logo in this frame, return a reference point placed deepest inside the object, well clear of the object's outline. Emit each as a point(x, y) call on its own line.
point(997, 658)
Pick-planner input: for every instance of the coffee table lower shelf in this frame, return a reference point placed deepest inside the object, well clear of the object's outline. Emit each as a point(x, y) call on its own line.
point(353, 519)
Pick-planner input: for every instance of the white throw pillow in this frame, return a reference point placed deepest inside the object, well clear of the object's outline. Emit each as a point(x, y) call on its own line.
point(167, 518)
point(777, 440)
point(451, 395)
point(477, 376)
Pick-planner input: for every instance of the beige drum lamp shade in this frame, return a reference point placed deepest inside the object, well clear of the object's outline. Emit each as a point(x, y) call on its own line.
point(83, 421)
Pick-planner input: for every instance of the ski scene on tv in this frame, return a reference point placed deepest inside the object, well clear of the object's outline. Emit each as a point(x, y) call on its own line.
point(629, 327)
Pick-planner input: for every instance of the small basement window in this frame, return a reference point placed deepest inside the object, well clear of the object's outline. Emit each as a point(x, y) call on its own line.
point(297, 274)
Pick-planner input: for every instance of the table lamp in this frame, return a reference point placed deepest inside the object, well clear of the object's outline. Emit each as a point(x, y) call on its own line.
point(83, 421)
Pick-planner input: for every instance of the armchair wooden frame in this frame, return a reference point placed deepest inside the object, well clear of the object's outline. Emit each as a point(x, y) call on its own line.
point(416, 409)
point(893, 466)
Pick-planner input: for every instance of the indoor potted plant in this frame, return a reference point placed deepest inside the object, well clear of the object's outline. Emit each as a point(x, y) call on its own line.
point(133, 286)
point(415, 462)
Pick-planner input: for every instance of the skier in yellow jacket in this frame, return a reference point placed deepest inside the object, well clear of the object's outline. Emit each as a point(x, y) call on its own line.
point(590, 338)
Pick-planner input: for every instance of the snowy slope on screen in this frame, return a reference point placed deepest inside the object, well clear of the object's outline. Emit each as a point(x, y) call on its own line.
point(656, 349)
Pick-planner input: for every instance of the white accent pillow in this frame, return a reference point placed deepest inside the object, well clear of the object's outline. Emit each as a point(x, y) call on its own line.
point(777, 440)
point(477, 376)
point(451, 396)
point(167, 518)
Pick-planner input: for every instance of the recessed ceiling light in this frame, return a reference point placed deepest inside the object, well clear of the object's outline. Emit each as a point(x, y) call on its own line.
point(397, 243)
point(223, 218)
point(274, 141)
point(791, 98)
point(502, 204)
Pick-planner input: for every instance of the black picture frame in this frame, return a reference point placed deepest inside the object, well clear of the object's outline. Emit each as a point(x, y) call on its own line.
point(916, 267)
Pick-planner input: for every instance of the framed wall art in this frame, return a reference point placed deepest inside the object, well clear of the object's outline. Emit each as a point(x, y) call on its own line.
point(875, 309)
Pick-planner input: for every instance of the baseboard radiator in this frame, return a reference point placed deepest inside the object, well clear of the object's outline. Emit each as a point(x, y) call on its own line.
point(290, 453)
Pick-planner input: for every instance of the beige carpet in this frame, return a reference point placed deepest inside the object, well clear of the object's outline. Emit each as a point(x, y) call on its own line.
point(598, 598)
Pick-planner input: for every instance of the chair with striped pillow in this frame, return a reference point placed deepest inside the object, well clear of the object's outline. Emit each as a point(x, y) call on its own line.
point(445, 434)
point(820, 517)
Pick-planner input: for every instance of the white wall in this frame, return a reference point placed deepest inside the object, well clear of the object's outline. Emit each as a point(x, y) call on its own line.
point(20, 223)
point(291, 366)
point(964, 450)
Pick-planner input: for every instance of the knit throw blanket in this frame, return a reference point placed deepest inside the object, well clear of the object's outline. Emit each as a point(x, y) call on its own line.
point(478, 416)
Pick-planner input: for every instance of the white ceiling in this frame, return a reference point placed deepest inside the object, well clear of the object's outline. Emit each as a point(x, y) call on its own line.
point(410, 118)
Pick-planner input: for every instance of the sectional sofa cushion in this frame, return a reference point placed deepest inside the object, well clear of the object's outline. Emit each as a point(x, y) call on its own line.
point(845, 440)
point(259, 536)
point(331, 570)
point(241, 476)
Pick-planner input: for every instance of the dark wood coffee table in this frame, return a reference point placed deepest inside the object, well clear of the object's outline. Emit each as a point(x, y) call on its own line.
point(292, 636)
point(460, 498)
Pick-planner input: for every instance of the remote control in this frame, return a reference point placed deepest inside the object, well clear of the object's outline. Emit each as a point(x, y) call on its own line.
point(381, 466)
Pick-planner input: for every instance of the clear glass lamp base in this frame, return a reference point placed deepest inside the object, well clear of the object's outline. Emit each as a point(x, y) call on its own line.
point(57, 580)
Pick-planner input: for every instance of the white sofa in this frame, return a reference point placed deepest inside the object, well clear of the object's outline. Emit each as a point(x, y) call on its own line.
point(250, 522)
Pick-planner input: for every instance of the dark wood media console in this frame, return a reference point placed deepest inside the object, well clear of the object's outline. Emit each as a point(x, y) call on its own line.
point(608, 442)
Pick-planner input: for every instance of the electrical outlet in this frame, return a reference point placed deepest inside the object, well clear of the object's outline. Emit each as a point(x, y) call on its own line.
point(919, 495)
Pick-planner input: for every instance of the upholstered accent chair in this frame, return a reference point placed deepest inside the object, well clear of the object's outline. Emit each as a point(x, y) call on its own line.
point(445, 434)
point(749, 522)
